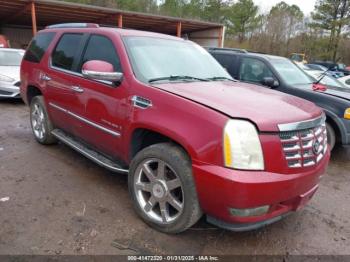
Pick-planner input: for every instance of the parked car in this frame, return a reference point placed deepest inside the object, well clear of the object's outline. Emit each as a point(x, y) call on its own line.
point(191, 139)
point(10, 61)
point(333, 66)
point(322, 77)
point(322, 68)
point(345, 80)
point(4, 42)
point(283, 75)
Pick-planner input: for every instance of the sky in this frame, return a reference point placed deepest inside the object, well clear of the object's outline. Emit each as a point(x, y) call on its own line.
point(305, 5)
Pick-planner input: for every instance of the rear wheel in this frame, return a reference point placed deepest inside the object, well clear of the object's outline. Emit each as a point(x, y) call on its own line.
point(330, 136)
point(162, 188)
point(40, 122)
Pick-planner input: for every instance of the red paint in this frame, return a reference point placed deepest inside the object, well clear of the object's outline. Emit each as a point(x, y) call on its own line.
point(98, 66)
point(3, 42)
point(319, 87)
point(191, 114)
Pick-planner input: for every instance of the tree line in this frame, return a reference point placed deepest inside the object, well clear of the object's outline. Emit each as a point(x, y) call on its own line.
point(284, 29)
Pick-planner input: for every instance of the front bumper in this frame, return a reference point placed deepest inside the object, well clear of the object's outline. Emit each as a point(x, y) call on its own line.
point(10, 90)
point(220, 189)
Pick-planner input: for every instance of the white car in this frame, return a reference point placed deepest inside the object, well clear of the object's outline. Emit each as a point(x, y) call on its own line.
point(10, 62)
point(345, 80)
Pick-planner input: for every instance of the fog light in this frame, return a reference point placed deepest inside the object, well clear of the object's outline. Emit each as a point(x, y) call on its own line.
point(249, 212)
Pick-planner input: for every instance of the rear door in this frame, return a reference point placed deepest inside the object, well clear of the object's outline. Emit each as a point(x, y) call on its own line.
point(227, 61)
point(61, 76)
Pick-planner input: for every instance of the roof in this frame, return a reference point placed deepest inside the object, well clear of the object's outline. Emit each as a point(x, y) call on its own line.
point(48, 12)
point(120, 31)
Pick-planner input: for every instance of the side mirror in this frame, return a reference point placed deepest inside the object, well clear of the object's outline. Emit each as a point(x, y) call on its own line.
point(101, 70)
point(270, 82)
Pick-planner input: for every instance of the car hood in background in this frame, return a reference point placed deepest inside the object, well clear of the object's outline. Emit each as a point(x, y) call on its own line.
point(10, 71)
point(267, 108)
point(338, 92)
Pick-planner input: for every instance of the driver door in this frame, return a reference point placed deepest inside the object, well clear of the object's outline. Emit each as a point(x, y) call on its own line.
point(105, 103)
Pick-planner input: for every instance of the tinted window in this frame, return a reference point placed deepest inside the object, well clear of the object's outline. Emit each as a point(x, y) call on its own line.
point(66, 50)
point(226, 61)
point(101, 48)
point(253, 70)
point(38, 47)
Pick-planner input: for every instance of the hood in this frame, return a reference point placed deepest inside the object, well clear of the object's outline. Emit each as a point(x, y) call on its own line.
point(11, 71)
point(267, 108)
point(338, 92)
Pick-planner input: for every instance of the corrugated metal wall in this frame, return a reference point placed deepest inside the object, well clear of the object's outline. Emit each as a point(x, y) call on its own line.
point(18, 37)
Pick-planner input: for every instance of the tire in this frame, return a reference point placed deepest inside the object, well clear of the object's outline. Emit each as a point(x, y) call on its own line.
point(40, 122)
point(330, 136)
point(151, 189)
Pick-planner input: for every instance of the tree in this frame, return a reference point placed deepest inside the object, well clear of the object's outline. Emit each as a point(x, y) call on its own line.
point(242, 18)
point(333, 16)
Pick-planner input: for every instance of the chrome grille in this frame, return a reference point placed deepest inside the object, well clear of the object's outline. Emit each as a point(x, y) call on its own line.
point(304, 148)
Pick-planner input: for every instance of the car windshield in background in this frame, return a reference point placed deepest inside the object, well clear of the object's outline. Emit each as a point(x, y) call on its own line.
point(10, 58)
point(155, 59)
point(289, 72)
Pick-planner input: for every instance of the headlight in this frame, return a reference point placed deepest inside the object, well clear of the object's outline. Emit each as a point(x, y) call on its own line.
point(6, 79)
point(347, 113)
point(242, 148)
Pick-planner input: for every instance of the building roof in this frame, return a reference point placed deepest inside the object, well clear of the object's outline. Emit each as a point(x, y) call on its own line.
point(18, 12)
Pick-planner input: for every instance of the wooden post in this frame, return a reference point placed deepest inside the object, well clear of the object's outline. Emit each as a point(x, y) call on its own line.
point(221, 34)
point(120, 20)
point(178, 29)
point(33, 19)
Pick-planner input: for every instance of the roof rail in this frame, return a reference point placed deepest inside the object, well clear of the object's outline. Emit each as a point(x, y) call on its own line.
point(227, 49)
point(73, 25)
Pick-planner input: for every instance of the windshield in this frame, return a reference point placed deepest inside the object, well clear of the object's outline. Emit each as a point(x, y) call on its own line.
point(10, 58)
point(154, 58)
point(289, 72)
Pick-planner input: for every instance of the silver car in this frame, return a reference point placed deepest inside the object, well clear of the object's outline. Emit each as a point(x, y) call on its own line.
point(10, 61)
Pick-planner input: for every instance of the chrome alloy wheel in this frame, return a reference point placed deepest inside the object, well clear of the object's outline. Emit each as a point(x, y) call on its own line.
point(159, 191)
point(38, 121)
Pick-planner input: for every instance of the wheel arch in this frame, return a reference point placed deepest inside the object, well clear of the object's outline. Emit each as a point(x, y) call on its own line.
point(142, 137)
point(337, 125)
point(31, 92)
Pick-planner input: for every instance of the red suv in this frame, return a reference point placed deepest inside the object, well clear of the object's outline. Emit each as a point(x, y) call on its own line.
point(191, 139)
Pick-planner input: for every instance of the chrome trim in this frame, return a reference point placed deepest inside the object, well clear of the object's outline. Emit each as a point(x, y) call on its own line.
point(102, 76)
point(302, 124)
point(141, 102)
point(113, 133)
point(58, 107)
point(86, 154)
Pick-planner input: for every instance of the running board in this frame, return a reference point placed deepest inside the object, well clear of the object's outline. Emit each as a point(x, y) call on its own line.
point(87, 152)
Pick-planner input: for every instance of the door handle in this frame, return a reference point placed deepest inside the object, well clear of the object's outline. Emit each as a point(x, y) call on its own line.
point(45, 77)
point(77, 89)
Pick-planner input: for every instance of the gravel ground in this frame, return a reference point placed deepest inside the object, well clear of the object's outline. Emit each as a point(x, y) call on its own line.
point(61, 203)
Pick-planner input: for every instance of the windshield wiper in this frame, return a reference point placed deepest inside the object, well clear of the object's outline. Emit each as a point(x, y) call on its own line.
point(177, 77)
point(325, 73)
point(216, 78)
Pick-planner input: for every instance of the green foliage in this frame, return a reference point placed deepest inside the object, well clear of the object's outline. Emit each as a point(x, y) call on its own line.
point(281, 31)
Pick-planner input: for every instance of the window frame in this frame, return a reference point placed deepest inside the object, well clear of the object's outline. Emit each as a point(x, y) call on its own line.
point(80, 63)
point(240, 63)
point(45, 51)
point(76, 57)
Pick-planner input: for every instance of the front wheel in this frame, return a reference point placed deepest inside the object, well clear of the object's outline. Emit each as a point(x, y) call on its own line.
point(162, 188)
point(330, 136)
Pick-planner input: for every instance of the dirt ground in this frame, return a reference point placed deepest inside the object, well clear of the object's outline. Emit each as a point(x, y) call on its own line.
point(62, 203)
